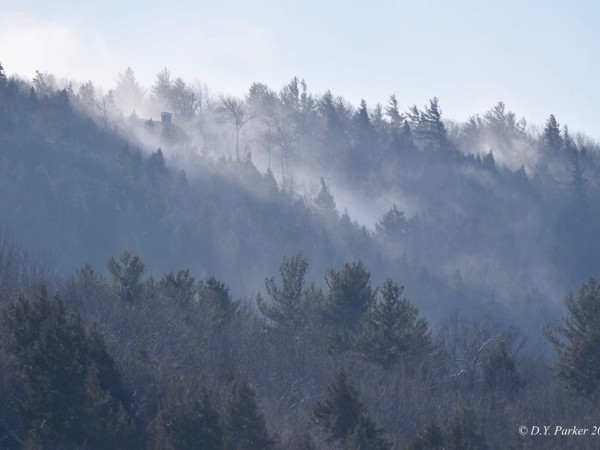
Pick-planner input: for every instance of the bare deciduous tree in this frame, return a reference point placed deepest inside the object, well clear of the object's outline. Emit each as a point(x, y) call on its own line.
point(234, 110)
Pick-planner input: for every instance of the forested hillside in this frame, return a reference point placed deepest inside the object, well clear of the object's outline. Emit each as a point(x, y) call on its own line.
point(289, 270)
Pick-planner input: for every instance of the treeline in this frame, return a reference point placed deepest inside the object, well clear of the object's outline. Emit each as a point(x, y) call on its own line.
point(130, 361)
point(80, 192)
point(482, 217)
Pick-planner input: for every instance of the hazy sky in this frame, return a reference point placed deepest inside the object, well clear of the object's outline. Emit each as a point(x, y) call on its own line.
point(539, 57)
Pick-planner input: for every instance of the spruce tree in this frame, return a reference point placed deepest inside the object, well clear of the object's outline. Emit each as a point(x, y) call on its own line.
point(244, 425)
point(325, 202)
point(551, 136)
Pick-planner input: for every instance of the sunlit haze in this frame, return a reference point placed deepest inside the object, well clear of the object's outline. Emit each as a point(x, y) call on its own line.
point(538, 57)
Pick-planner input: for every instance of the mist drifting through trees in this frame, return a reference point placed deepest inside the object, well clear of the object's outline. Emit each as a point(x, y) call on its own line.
point(183, 269)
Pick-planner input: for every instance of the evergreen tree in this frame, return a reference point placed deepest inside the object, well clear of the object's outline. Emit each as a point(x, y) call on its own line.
point(344, 418)
point(391, 329)
point(488, 162)
point(578, 183)
point(44, 84)
point(127, 276)
point(73, 388)
point(325, 202)
point(349, 295)
point(128, 94)
point(500, 373)
point(178, 286)
point(393, 112)
point(364, 127)
point(577, 341)
point(185, 101)
point(214, 297)
point(393, 225)
point(186, 419)
point(243, 423)
point(87, 95)
point(334, 137)
point(413, 116)
point(551, 137)
point(156, 164)
point(290, 95)
point(162, 88)
point(285, 307)
point(3, 79)
point(431, 129)
point(261, 100)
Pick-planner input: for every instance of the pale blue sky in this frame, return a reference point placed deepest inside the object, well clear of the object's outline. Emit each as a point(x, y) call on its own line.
point(539, 57)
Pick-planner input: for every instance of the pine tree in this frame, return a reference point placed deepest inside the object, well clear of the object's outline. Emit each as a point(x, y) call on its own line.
point(413, 116)
point(393, 112)
point(391, 329)
point(349, 295)
point(577, 341)
point(393, 225)
point(243, 423)
point(178, 286)
point(431, 128)
point(127, 276)
point(285, 307)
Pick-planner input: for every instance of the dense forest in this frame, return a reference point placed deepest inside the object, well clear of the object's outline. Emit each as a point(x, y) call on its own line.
point(180, 269)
